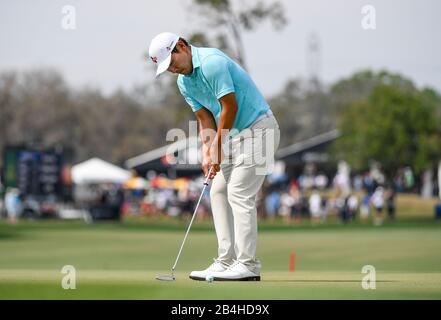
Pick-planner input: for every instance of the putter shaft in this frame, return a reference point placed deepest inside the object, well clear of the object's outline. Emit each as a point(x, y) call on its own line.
point(191, 221)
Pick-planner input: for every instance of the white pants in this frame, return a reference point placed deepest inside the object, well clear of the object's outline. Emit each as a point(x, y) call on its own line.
point(234, 189)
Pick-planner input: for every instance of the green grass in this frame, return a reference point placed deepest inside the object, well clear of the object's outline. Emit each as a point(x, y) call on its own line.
point(45, 284)
point(120, 261)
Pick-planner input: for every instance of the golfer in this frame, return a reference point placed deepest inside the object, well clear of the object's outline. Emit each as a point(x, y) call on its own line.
point(226, 102)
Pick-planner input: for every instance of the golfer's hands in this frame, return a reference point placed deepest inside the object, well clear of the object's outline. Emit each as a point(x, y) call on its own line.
point(207, 164)
point(212, 160)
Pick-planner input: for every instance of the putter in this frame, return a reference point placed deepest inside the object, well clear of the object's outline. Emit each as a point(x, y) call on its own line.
point(172, 277)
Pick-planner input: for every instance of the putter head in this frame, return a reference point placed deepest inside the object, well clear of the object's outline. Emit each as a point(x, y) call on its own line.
point(166, 278)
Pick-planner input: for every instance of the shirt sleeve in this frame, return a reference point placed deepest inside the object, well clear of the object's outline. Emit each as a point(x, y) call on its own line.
point(195, 106)
point(216, 72)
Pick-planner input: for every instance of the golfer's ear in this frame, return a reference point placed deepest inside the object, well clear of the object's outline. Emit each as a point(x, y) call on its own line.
point(179, 45)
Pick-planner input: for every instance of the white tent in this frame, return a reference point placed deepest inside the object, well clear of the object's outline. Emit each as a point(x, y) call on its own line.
point(98, 171)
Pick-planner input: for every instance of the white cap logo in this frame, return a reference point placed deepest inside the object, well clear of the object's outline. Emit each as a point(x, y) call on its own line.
point(160, 50)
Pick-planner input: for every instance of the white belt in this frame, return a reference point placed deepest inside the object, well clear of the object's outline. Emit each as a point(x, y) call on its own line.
point(266, 114)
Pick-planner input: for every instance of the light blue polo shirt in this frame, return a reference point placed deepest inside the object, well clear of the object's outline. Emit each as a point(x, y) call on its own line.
point(216, 75)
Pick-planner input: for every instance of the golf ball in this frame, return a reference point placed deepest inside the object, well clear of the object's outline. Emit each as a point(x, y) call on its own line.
point(209, 278)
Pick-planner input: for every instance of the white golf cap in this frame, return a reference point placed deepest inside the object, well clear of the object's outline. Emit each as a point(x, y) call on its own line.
point(160, 50)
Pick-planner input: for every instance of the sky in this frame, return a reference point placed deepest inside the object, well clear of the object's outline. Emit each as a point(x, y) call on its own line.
point(106, 49)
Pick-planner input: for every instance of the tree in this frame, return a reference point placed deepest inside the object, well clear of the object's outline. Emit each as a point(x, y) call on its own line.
point(396, 125)
point(360, 85)
point(37, 108)
point(302, 111)
point(29, 102)
point(230, 23)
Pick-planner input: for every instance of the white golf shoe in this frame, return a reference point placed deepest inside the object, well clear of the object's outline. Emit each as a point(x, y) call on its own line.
point(215, 267)
point(236, 272)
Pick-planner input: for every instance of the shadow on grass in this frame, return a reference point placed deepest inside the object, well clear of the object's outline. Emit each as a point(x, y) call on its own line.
point(10, 234)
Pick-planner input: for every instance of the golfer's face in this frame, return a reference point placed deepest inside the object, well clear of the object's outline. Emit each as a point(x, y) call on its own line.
point(180, 62)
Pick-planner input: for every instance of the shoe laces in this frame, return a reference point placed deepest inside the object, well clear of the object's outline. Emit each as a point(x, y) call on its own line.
point(216, 262)
point(234, 265)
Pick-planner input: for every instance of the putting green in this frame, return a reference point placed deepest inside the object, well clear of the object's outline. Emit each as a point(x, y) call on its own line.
point(97, 284)
point(121, 261)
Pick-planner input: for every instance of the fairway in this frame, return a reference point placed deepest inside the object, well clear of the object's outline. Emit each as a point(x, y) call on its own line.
point(120, 261)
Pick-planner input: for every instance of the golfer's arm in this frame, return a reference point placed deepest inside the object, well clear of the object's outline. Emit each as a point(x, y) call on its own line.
point(207, 124)
point(227, 116)
point(226, 121)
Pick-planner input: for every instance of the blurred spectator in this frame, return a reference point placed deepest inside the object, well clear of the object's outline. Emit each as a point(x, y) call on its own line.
point(377, 200)
point(286, 204)
point(427, 184)
point(342, 205)
point(293, 183)
point(13, 204)
point(326, 206)
point(173, 204)
point(352, 206)
point(357, 183)
point(409, 179)
point(148, 203)
point(2, 207)
point(115, 200)
point(377, 175)
point(161, 200)
point(399, 180)
point(342, 181)
point(315, 207)
point(30, 207)
point(272, 204)
point(365, 207)
point(306, 182)
point(368, 183)
point(305, 211)
point(321, 181)
point(296, 209)
point(390, 201)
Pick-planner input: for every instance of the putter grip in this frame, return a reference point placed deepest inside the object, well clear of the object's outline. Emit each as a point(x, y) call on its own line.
point(208, 176)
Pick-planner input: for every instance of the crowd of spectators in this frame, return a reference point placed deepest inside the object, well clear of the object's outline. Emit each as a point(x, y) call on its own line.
point(317, 198)
point(306, 197)
point(314, 197)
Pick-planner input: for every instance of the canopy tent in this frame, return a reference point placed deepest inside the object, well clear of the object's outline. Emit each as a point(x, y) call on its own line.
point(98, 171)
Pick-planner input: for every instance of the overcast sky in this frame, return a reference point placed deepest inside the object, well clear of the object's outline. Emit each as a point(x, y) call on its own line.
point(106, 49)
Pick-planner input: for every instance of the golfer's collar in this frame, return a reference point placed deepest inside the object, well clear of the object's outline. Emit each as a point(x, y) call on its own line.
point(195, 57)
